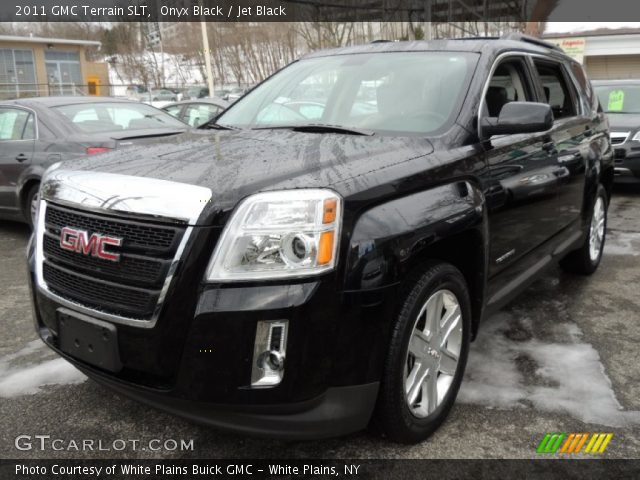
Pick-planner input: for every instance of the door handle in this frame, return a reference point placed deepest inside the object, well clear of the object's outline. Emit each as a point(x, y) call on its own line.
point(22, 157)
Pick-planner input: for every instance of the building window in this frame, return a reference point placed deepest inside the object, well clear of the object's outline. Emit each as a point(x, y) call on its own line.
point(17, 74)
point(63, 72)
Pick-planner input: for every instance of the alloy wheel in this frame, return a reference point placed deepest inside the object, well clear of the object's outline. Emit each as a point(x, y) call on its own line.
point(596, 231)
point(433, 353)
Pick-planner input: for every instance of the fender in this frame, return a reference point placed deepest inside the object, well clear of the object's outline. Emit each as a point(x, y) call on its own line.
point(599, 167)
point(389, 239)
point(447, 222)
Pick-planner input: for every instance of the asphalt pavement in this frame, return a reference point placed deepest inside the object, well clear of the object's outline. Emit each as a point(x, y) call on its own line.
point(563, 357)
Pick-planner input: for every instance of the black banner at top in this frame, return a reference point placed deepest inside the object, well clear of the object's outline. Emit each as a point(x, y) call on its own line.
point(318, 10)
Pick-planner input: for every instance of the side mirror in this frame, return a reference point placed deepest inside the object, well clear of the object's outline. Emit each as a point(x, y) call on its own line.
point(518, 117)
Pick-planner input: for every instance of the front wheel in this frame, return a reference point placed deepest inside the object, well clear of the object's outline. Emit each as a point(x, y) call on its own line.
point(427, 354)
point(585, 260)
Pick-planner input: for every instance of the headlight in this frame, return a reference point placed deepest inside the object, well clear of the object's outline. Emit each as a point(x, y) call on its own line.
point(290, 233)
point(636, 137)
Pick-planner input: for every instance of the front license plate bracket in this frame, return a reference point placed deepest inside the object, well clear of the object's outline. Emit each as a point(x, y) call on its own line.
point(88, 339)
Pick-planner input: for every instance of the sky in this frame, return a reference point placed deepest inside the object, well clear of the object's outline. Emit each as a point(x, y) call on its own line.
point(562, 27)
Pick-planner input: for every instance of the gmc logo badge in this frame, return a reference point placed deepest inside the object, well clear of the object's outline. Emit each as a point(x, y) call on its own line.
point(80, 241)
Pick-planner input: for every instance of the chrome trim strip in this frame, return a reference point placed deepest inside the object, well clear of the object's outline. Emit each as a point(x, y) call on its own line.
point(125, 194)
point(111, 193)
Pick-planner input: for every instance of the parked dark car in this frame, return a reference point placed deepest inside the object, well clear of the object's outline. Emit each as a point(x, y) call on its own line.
point(196, 112)
point(620, 100)
point(291, 278)
point(37, 132)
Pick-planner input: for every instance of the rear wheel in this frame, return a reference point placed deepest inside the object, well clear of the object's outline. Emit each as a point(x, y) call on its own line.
point(427, 355)
point(585, 260)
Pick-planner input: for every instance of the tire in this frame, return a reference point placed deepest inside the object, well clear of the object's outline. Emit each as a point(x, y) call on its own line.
point(29, 204)
point(585, 260)
point(395, 416)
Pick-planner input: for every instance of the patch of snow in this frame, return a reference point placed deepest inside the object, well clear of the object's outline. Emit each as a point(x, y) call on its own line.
point(622, 243)
point(29, 379)
point(568, 376)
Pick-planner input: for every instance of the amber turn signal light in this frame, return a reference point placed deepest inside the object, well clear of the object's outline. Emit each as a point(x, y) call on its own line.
point(325, 248)
point(330, 210)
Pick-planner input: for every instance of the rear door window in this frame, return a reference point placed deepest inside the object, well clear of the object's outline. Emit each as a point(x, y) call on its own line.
point(558, 92)
point(16, 124)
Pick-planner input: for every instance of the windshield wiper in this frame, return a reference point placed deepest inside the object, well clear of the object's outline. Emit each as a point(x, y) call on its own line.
point(215, 126)
point(319, 128)
point(621, 111)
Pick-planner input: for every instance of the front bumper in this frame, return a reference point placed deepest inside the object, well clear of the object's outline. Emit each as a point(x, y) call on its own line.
point(339, 411)
point(196, 362)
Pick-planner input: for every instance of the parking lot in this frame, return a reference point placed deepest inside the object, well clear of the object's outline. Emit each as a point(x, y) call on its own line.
point(564, 357)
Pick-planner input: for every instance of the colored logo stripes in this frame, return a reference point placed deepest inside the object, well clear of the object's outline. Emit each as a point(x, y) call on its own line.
point(569, 443)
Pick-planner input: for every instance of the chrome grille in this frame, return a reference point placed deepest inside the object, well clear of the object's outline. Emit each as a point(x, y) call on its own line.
point(137, 235)
point(100, 295)
point(131, 287)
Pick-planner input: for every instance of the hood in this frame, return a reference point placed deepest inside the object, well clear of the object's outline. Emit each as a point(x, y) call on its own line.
point(233, 164)
point(624, 121)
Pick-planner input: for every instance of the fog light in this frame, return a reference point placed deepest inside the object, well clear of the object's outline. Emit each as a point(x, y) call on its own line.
point(269, 353)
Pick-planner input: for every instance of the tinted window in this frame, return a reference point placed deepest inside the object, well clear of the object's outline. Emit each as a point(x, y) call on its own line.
point(585, 85)
point(109, 117)
point(556, 90)
point(508, 84)
point(16, 124)
point(409, 92)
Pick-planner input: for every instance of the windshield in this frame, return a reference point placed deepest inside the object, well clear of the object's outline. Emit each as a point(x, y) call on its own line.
point(113, 117)
point(619, 98)
point(411, 92)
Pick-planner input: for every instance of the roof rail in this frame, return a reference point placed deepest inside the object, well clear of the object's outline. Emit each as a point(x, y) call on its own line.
point(520, 37)
point(490, 37)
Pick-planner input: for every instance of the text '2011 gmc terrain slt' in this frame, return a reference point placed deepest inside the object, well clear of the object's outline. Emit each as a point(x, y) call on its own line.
point(320, 257)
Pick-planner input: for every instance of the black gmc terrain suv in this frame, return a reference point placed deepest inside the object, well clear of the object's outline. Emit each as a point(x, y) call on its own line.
point(320, 257)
